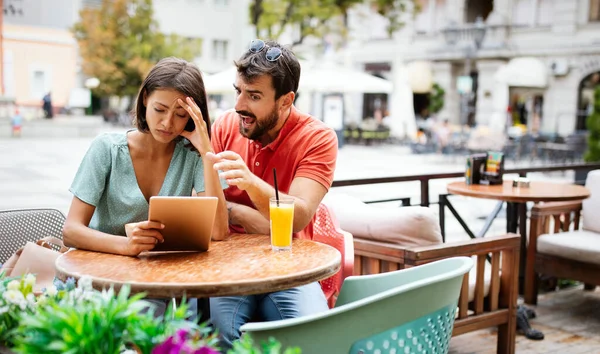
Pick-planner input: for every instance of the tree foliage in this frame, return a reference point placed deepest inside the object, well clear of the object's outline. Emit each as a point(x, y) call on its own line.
point(436, 99)
point(119, 42)
point(318, 18)
point(593, 126)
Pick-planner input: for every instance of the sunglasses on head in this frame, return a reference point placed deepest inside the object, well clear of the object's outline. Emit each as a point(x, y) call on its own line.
point(273, 53)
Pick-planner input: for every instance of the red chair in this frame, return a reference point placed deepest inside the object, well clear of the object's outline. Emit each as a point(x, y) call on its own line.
point(327, 230)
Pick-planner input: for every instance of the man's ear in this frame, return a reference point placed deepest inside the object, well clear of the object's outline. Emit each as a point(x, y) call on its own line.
point(287, 100)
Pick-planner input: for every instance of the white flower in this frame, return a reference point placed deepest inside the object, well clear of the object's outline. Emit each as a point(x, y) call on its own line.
point(51, 291)
point(85, 283)
point(30, 280)
point(30, 299)
point(4, 309)
point(14, 297)
point(13, 285)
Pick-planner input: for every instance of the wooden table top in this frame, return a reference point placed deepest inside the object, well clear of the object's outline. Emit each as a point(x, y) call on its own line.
point(241, 265)
point(538, 191)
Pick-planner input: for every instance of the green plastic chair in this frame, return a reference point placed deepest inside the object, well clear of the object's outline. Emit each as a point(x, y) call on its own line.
point(406, 311)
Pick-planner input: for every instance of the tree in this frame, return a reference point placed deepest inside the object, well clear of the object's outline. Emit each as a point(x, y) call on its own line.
point(436, 99)
point(317, 18)
point(593, 126)
point(120, 41)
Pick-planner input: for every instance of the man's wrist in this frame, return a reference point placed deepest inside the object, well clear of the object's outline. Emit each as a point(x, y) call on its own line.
point(230, 212)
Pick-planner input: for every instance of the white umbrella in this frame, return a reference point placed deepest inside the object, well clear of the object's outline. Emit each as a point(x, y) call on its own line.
point(221, 82)
point(321, 78)
point(336, 79)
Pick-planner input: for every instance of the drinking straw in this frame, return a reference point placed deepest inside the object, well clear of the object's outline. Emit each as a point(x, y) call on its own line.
point(275, 182)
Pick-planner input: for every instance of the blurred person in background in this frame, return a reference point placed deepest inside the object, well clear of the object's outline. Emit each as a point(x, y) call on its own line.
point(16, 123)
point(47, 105)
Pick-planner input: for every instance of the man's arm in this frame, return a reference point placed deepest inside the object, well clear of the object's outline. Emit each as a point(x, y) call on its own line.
point(313, 177)
point(249, 218)
point(307, 195)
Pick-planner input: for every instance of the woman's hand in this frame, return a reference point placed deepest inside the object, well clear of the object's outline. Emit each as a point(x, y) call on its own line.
point(142, 236)
point(199, 137)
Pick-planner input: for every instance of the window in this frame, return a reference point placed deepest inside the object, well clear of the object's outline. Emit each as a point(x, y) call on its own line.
point(594, 11)
point(38, 84)
point(219, 49)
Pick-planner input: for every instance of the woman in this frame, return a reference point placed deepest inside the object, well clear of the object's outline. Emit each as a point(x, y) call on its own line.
point(121, 171)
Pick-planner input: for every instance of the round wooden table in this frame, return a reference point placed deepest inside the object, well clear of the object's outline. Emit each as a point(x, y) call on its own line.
point(241, 265)
point(516, 199)
point(537, 192)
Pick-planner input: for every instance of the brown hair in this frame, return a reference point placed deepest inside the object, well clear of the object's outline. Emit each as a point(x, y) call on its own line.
point(172, 74)
point(285, 71)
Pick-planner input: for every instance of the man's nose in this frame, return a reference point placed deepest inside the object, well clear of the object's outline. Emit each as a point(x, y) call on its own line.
point(240, 103)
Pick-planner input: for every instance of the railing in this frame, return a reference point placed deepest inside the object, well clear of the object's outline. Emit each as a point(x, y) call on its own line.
point(424, 179)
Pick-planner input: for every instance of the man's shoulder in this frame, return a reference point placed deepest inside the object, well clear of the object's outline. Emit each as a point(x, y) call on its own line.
point(315, 127)
point(228, 118)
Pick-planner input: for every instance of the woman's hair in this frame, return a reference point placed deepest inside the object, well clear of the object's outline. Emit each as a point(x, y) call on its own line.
point(172, 74)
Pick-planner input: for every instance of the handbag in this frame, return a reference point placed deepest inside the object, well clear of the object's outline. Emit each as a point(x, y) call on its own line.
point(36, 258)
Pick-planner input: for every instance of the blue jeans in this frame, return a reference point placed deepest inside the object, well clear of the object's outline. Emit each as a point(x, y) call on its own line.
point(229, 313)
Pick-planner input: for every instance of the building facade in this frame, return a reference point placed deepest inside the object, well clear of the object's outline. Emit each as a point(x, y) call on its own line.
point(40, 54)
point(535, 66)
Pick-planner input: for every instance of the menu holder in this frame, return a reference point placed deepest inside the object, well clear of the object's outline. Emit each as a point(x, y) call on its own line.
point(494, 169)
point(474, 168)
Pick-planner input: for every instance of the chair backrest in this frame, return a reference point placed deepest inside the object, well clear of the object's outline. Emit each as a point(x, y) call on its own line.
point(326, 230)
point(591, 205)
point(19, 226)
point(414, 317)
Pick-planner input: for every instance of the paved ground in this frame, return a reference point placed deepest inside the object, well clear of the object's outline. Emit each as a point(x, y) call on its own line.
point(569, 319)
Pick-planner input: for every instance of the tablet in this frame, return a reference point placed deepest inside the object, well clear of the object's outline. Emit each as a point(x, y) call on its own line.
point(188, 222)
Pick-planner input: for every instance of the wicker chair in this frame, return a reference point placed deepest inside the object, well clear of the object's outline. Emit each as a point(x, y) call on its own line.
point(19, 226)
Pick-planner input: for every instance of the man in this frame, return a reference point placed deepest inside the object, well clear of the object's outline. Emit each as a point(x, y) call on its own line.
point(266, 131)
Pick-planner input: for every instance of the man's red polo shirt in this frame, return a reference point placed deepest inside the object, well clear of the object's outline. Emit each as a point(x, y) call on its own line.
point(305, 147)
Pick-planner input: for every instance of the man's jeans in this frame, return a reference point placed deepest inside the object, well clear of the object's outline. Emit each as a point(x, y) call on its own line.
point(228, 314)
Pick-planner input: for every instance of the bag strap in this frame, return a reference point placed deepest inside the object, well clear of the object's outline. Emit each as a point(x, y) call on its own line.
point(50, 241)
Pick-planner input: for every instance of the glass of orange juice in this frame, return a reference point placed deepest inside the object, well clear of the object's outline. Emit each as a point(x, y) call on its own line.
point(282, 222)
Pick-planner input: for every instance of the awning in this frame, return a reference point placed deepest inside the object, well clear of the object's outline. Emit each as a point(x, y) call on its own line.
point(523, 72)
point(420, 76)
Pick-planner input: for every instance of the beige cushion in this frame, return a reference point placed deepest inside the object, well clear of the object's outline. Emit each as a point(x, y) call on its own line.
point(487, 279)
point(591, 205)
point(407, 226)
point(581, 246)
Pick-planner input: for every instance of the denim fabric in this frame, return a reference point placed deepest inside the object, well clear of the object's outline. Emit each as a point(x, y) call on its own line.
point(229, 313)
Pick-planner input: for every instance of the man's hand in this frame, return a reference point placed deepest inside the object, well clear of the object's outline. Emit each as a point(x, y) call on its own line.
point(142, 236)
point(234, 169)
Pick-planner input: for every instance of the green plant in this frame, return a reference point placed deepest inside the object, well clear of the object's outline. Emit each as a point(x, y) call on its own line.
point(436, 99)
point(17, 298)
point(593, 126)
point(245, 345)
point(84, 320)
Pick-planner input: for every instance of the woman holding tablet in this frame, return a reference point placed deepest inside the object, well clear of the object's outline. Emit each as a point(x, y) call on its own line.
point(121, 171)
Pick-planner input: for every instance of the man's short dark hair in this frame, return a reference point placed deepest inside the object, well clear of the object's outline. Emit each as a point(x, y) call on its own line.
point(285, 71)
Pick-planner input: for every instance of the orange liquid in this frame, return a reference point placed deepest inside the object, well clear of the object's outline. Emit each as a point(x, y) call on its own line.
point(282, 221)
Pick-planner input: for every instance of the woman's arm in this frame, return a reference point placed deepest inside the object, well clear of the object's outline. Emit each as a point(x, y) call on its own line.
point(141, 236)
point(213, 188)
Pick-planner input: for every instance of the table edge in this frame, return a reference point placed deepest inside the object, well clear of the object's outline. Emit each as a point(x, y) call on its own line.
point(466, 193)
point(208, 289)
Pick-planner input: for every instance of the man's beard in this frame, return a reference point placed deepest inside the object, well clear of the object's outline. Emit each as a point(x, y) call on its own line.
point(261, 127)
